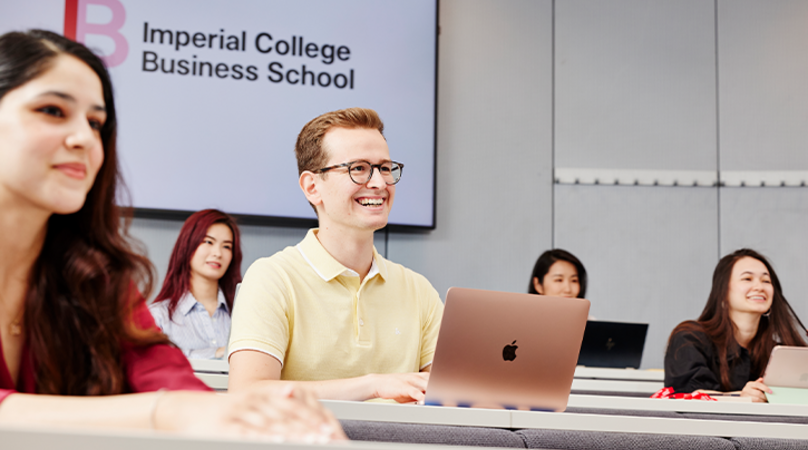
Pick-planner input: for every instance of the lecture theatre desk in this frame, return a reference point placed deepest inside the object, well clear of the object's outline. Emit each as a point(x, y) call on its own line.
point(40, 438)
point(624, 382)
point(619, 416)
point(588, 380)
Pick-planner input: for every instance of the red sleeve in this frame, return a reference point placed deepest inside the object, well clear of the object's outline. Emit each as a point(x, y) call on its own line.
point(159, 366)
point(5, 393)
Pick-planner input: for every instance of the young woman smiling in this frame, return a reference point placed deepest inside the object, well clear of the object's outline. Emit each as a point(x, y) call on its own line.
point(75, 330)
point(194, 306)
point(728, 347)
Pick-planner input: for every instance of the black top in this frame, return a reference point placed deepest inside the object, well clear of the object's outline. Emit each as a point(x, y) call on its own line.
point(691, 363)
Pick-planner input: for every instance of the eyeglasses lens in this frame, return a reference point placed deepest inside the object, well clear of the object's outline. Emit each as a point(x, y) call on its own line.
point(362, 171)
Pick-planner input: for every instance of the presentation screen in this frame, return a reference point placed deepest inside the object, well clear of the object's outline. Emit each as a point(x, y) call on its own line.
point(211, 95)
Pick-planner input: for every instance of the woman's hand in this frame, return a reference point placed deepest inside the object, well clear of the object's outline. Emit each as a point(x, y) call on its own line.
point(286, 414)
point(757, 390)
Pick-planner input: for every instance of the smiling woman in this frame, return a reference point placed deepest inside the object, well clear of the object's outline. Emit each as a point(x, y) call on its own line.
point(728, 347)
point(194, 306)
point(73, 323)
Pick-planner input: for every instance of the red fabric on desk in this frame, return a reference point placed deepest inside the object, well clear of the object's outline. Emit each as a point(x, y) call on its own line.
point(147, 369)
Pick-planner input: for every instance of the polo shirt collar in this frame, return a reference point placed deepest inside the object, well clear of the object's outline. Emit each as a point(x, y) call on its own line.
point(188, 302)
point(326, 266)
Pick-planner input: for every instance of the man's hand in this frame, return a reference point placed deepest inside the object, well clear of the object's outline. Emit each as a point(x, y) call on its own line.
point(401, 387)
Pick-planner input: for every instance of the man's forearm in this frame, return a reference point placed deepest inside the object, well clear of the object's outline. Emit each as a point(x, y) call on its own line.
point(358, 389)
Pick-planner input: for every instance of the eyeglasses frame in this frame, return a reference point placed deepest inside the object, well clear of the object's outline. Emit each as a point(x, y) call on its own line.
point(378, 167)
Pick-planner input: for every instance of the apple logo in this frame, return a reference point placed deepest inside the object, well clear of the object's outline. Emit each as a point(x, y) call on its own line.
point(509, 351)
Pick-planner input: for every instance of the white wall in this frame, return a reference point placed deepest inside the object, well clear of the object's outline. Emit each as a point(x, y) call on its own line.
point(528, 86)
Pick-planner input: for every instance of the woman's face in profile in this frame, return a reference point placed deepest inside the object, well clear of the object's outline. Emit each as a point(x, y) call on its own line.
point(50, 137)
point(560, 281)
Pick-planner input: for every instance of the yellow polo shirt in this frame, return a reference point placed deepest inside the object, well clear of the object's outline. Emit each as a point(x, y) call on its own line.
point(322, 322)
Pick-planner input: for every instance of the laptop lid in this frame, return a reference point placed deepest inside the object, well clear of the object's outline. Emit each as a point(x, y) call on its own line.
point(787, 375)
point(613, 344)
point(506, 350)
point(788, 367)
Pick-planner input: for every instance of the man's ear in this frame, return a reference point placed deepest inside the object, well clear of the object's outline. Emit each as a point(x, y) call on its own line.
point(308, 185)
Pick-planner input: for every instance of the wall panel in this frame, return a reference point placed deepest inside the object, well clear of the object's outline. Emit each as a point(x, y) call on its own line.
point(494, 148)
point(763, 96)
point(773, 222)
point(635, 85)
point(649, 253)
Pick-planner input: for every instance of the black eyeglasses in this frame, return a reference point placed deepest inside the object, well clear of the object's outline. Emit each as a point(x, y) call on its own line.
point(362, 171)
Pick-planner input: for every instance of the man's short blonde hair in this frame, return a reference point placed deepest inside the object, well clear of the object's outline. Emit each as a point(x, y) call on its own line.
point(309, 147)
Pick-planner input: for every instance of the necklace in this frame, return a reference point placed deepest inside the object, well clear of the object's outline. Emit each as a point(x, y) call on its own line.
point(16, 326)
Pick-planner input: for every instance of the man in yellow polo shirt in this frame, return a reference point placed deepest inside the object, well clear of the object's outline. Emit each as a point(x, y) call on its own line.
point(330, 313)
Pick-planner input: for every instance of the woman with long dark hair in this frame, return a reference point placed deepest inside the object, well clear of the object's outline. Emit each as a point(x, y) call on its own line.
point(193, 307)
point(73, 324)
point(728, 347)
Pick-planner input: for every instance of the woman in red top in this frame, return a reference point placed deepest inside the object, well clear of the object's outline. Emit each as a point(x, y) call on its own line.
point(73, 325)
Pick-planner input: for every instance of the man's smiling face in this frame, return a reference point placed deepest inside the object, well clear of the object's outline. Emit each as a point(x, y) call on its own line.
point(343, 203)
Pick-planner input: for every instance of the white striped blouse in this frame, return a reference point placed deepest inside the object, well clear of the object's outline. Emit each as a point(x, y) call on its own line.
point(192, 329)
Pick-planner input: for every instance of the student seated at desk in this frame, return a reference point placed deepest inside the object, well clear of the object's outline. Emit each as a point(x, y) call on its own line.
point(74, 331)
point(728, 347)
point(558, 273)
point(193, 308)
point(331, 313)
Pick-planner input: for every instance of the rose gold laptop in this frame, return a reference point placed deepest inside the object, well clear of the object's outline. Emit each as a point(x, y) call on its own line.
point(506, 350)
point(787, 375)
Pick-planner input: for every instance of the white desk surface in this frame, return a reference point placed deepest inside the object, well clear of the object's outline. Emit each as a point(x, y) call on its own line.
point(384, 412)
point(686, 406)
point(39, 438)
point(597, 373)
point(214, 373)
point(602, 373)
point(210, 365)
point(633, 386)
point(218, 381)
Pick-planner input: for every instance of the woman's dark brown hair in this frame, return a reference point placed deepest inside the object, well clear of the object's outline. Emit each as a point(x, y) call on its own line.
point(87, 279)
point(780, 326)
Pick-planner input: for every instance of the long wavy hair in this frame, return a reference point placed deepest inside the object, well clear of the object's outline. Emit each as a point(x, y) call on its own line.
point(550, 257)
point(88, 279)
point(780, 327)
point(192, 234)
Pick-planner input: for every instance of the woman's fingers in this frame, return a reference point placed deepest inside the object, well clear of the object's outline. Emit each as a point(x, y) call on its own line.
point(756, 390)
